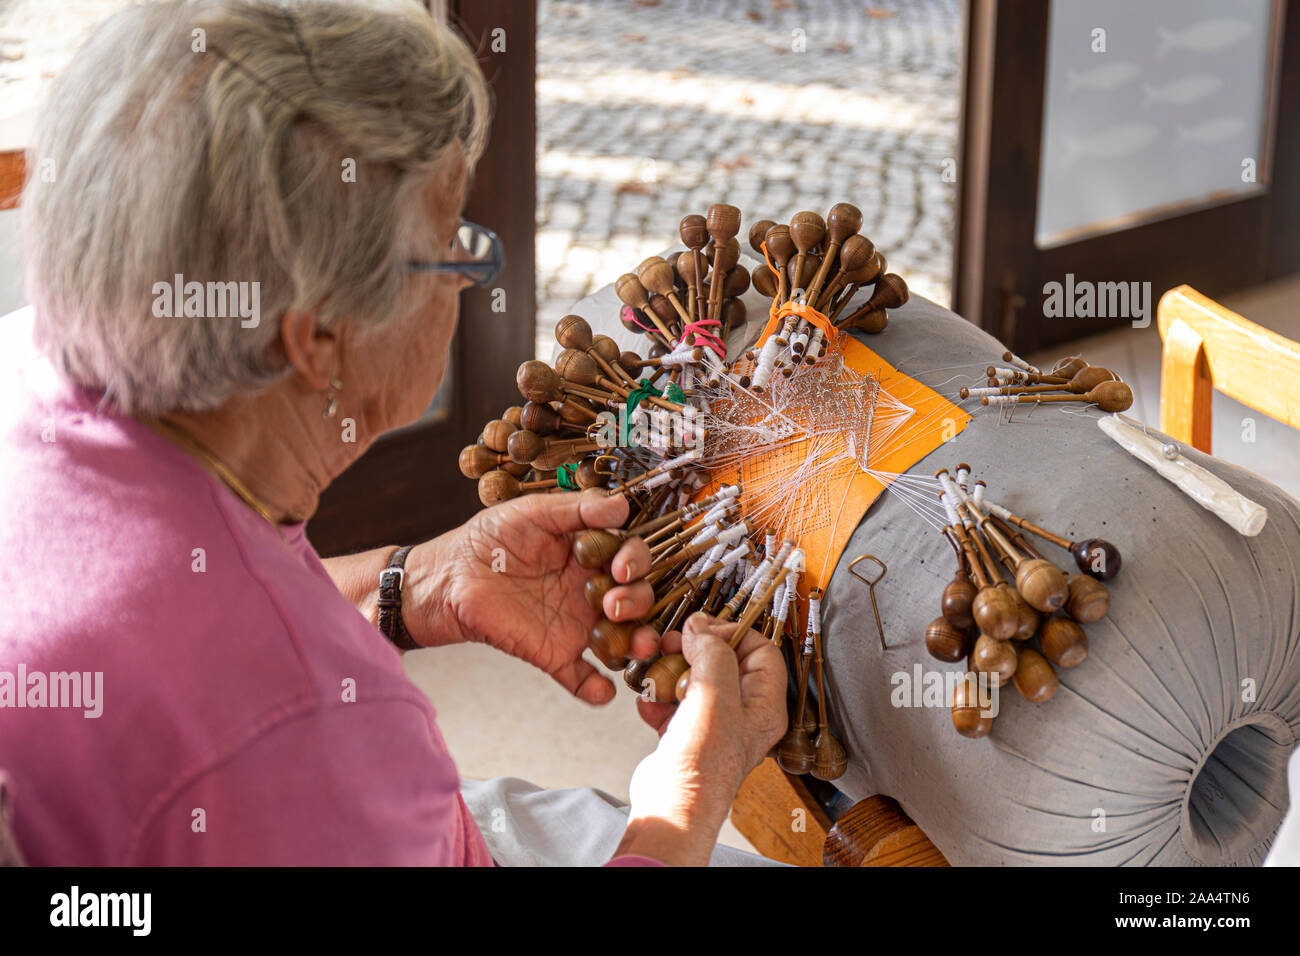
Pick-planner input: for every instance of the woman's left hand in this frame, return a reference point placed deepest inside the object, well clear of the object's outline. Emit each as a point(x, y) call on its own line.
point(507, 577)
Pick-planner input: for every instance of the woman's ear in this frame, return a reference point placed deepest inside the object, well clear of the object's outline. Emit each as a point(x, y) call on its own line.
point(313, 352)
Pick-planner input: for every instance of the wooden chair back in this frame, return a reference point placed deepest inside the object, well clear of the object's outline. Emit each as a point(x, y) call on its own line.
point(1206, 347)
point(13, 169)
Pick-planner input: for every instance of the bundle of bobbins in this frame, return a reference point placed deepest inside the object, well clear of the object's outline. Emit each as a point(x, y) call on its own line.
point(690, 297)
point(818, 264)
point(1069, 380)
point(706, 557)
point(1011, 613)
point(703, 558)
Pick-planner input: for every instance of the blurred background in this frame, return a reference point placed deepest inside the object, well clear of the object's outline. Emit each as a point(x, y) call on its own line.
point(994, 149)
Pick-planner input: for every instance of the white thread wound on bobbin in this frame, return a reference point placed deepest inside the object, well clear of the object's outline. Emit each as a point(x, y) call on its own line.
point(815, 615)
point(766, 362)
point(950, 509)
point(814, 341)
point(755, 576)
point(1020, 363)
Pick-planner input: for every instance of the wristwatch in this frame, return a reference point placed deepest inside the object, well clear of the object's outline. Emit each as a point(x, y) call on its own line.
point(390, 601)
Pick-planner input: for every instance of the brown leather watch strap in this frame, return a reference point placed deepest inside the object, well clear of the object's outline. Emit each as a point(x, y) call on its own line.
point(390, 601)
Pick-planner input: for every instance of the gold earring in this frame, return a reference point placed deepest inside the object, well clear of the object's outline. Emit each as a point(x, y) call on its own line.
point(332, 401)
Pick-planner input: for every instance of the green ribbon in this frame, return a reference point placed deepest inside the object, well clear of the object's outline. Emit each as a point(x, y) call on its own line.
point(565, 476)
point(643, 390)
point(674, 393)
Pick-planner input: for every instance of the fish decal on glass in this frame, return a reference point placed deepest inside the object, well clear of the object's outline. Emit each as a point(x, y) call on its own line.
point(1102, 78)
point(1204, 37)
point(1213, 131)
point(1114, 142)
point(1189, 89)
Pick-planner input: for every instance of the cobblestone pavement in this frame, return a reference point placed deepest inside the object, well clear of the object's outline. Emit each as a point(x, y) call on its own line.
point(650, 109)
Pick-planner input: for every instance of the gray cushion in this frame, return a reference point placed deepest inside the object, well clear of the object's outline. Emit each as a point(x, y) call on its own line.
point(1152, 751)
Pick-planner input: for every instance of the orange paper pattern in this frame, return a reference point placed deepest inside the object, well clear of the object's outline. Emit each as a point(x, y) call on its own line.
point(935, 420)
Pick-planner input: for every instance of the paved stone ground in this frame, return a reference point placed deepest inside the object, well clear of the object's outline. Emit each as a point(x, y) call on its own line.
point(650, 109)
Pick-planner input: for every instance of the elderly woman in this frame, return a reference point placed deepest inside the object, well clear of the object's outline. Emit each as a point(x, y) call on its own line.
point(242, 229)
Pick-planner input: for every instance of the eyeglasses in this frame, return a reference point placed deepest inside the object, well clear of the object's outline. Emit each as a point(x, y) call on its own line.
point(476, 253)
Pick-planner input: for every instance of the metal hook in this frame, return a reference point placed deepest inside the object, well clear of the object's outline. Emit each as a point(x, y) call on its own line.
point(600, 438)
point(871, 587)
point(596, 465)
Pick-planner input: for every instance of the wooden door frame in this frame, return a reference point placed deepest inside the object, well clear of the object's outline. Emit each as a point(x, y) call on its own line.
point(999, 273)
point(407, 487)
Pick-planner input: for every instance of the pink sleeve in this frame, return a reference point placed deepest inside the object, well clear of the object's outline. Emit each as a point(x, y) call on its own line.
point(349, 784)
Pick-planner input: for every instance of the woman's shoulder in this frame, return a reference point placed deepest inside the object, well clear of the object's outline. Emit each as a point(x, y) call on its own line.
point(179, 620)
point(115, 545)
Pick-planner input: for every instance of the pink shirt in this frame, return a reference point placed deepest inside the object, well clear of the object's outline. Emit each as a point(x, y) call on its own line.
point(247, 712)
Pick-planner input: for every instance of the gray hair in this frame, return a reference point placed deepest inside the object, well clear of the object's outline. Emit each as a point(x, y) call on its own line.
point(211, 140)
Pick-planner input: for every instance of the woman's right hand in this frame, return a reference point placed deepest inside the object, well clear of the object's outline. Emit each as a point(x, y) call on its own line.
point(733, 714)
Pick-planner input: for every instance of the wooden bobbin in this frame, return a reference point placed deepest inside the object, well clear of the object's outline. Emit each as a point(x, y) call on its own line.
point(994, 657)
point(945, 642)
point(1069, 367)
point(795, 752)
point(661, 678)
point(496, 434)
point(594, 548)
point(758, 234)
point(996, 612)
point(1039, 581)
point(611, 641)
point(807, 230)
point(968, 716)
point(1034, 677)
point(477, 460)
point(843, 220)
point(855, 258)
point(781, 248)
point(1093, 556)
point(1063, 642)
point(959, 593)
point(801, 271)
point(632, 293)
point(723, 222)
point(1089, 599)
point(658, 276)
point(1029, 620)
point(497, 486)
point(764, 281)
point(694, 233)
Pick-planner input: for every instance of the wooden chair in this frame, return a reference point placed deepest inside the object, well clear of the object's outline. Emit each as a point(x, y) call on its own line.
point(780, 815)
point(15, 135)
point(13, 169)
point(1206, 347)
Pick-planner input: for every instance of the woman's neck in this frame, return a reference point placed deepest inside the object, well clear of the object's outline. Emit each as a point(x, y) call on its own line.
point(282, 454)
